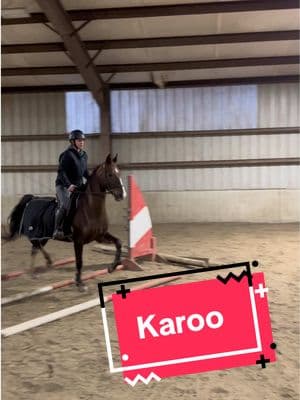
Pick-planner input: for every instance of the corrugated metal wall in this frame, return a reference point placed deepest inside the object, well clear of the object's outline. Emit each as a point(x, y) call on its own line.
point(82, 112)
point(18, 183)
point(235, 107)
point(33, 114)
point(278, 105)
point(39, 152)
point(46, 114)
point(204, 109)
point(233, 178)
point(207, 108)
point(50, 113)
point(207, 148)
point(213, 148)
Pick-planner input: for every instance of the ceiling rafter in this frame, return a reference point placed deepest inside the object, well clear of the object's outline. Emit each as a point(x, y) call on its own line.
point(150, 85)
point(76, 49)
point(165, 10)
point(160, 66)
point(210, 82)
point(158, 42)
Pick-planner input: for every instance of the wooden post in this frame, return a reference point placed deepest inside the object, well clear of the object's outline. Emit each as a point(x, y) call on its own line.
point(105, 137)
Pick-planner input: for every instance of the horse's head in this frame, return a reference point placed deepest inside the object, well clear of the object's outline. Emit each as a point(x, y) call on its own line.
point(108, 175)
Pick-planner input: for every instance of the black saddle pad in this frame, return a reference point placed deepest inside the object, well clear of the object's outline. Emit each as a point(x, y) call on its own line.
point(39, 218)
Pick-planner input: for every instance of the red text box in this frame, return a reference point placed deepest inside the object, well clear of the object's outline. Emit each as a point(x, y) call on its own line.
point(194, 327)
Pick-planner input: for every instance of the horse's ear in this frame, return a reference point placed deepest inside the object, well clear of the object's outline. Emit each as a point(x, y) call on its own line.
point(115, 158)
point(108, 160)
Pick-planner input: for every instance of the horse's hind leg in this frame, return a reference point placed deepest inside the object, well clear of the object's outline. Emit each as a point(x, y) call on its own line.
point(36, 246)
point(117, 242)
point(34, 251)
point(46, 254)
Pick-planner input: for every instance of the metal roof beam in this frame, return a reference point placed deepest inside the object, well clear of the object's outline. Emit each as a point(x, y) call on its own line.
point(258, 162)
point(161, 66)
point(158, 42)
point(149, 85)
point(76, 49)
point(253, 80)
point(32, 48)
point(161, 11)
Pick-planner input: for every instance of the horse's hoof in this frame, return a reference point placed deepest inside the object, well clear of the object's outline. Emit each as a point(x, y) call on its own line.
point(49, 265)
point(82, 287)
point(34, 275)
point(113, 266)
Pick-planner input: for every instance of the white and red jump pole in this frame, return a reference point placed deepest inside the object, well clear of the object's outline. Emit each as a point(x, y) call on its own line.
point(141, 242)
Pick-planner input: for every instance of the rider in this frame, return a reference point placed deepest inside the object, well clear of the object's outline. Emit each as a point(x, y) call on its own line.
point(71, 172)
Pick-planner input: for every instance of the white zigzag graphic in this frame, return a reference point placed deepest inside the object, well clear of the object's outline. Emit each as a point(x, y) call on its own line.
point(139, 377)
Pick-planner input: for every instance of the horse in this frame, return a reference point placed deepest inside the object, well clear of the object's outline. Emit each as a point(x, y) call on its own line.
point(89, 223)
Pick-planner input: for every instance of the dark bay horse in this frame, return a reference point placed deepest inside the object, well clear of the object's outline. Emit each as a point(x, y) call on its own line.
point(90, 220)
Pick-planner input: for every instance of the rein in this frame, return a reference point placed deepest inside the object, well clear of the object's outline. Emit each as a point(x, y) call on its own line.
point(93, 193)
point(107, 191)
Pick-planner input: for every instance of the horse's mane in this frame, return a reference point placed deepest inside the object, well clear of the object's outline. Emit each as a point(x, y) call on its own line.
point(95, 170)
point(102, 165)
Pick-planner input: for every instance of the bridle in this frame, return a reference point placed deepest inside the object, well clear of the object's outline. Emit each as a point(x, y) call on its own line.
point(108, 189)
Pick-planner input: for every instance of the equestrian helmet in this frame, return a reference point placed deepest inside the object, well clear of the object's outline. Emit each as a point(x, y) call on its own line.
point(76, 135)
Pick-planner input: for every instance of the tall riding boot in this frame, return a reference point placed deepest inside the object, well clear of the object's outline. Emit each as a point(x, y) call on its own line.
point(59, 220)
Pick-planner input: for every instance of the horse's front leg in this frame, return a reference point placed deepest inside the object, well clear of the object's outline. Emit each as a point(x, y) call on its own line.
point(117, 242)
point(78, 247)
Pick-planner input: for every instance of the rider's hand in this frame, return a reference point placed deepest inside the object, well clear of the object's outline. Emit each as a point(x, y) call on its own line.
point(71, 188)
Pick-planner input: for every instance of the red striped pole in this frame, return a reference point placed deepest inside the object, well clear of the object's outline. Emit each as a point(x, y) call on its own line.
point(11, 275)
point(64, 261)
point(24, 326)
point(16, 274)
point(49, 288)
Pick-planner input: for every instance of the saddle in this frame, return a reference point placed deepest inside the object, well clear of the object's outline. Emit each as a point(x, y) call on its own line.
point(38, 221)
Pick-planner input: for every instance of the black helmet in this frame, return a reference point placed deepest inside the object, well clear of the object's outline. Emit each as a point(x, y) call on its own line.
point(76, 134)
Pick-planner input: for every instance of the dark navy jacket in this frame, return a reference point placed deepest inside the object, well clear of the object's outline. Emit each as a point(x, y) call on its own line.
point(72, 168)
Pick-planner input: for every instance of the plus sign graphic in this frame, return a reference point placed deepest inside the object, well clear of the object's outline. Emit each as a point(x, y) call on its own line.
point(263, 361)
point(123, 291)
point(261, 290)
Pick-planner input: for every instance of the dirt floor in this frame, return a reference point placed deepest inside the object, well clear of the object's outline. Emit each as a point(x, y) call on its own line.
point(66, 359)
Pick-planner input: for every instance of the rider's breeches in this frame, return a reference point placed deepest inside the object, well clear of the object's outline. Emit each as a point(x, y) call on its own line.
point(63, 197)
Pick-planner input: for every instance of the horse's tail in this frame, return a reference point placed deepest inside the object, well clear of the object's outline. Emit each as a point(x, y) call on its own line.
point(15, 218)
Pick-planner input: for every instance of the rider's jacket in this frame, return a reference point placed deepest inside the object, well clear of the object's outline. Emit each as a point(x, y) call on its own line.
point(72, 168)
